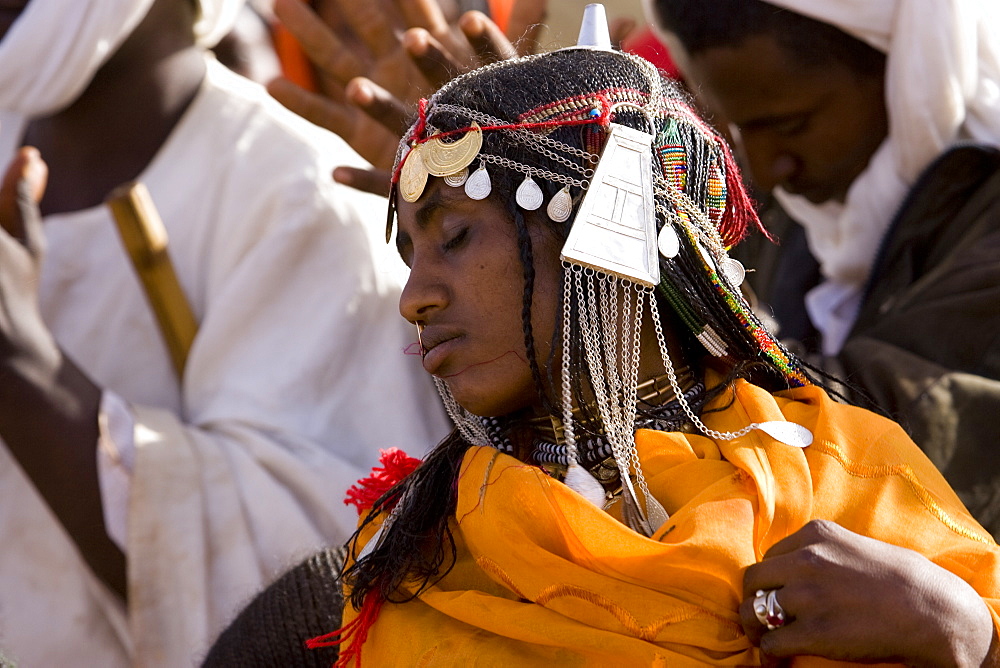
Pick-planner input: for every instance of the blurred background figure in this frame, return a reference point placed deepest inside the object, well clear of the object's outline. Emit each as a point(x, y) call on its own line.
point(141, 509)
point(876, 126)
point(249, 48)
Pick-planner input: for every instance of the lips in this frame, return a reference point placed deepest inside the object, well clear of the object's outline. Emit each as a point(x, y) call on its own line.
point(438, 342)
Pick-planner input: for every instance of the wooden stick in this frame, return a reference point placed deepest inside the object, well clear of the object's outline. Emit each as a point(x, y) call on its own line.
point(145, 239)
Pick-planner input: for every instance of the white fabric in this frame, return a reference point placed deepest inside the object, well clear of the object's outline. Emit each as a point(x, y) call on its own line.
point(216, 18)
point(115, 464)
point(55, 47)
point(296, 378)
point(942, 87)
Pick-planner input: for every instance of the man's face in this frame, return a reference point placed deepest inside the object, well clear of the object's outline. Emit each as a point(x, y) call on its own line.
point(9, 11)
point(810, 129)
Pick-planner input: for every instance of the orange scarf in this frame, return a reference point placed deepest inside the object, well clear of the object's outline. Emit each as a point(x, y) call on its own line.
point(544, 578)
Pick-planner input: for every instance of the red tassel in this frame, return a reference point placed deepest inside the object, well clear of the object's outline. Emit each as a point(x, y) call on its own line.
point(353, 634)
point(741, 210)
point(395, 465)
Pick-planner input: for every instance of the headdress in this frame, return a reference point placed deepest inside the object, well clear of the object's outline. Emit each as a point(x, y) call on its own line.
point(658, 200)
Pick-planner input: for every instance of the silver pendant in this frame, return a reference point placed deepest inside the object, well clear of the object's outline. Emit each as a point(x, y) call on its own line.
point(560, 206)
point(788, 433)
point(668, 242)
point(733, 271)
point(529, 196)
point(458, 178)
point(615, 226)
point(479, 186)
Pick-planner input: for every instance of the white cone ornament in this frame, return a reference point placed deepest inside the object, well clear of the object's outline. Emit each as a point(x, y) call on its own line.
point(594, 33)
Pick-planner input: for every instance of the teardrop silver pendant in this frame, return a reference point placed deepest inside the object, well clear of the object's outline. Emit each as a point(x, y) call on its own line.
point(789, 433)
point(458, 178)
point(668, 241)
point(529, 196)
point(560, 206)
point(479, 186)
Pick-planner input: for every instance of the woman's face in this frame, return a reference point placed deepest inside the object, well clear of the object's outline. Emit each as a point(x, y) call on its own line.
point(466, 289)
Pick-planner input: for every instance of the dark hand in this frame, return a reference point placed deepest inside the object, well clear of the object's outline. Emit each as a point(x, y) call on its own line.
point(852, 598)
point(374, 60)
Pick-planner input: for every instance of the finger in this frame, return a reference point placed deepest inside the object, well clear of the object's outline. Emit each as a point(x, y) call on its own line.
point(375, 22)
point(426, 14)
point(375, 181)
point(748, 618)
point(379, 104)
point(437, 65)
point(326, 51)
point(526, 24)
point(488, 42)
point(321, 111)
point(21, 190)
point(772, 573)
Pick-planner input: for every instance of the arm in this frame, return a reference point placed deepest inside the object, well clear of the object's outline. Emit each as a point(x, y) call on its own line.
point(48, 406)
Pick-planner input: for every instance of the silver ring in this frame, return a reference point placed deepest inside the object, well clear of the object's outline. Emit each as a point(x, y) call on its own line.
point(769, 612)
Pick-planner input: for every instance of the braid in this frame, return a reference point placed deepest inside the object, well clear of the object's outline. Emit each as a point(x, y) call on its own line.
point(528, 263)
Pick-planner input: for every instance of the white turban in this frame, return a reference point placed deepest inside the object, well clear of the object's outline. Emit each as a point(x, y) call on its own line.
point(942, 87)
point(55, 47)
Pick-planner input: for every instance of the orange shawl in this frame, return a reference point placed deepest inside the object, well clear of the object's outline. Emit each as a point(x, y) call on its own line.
point(544, 578)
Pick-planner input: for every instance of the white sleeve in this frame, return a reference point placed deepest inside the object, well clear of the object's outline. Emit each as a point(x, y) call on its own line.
point(115, 463)
point(295, 380)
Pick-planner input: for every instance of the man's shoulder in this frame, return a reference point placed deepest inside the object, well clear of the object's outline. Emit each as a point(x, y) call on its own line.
point(241, 113)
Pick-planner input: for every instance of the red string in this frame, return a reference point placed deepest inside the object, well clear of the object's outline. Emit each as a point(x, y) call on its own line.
point(741, 210)
point(354, 634)
point(421, 118)
point(395, 465)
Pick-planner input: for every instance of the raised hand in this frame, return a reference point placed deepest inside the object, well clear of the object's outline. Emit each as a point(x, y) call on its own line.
point(851, 598)
point(375, 59)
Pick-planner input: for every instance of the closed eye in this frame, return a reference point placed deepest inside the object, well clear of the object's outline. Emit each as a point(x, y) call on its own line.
point(457, 240)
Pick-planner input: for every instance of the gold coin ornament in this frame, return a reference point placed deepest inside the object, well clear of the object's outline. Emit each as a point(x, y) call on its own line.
point(436, 157)
point(413, 176)
point(443, 158)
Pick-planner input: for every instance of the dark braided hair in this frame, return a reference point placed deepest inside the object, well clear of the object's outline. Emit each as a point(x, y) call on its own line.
point(417, 547)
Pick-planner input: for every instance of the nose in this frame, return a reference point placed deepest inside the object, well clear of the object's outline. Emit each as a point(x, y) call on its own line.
point(423, 295)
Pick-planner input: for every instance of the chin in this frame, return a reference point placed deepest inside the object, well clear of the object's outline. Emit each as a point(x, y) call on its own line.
point(488, 400)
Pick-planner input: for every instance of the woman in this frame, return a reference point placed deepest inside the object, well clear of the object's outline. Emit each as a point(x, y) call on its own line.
point(640, 474)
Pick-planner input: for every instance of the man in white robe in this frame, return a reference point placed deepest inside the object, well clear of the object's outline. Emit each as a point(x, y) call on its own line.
point(212, 485)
